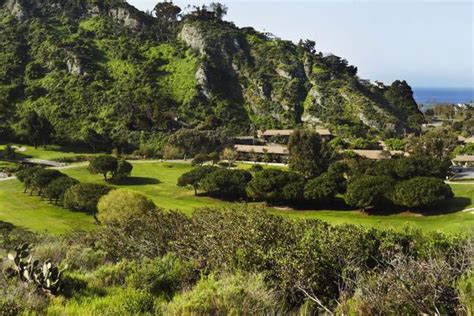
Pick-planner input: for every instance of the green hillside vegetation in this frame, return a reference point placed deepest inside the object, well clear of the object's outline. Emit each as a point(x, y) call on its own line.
point(106, 75)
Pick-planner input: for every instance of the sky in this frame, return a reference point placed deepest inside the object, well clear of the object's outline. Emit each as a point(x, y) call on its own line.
point(429, 43)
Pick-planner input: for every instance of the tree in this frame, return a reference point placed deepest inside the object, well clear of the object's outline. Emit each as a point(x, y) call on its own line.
point(421, 192)
point(194, 177)
point(38, 129)
point(56, 188)
point(214, 157)
point(436, 143)
point(123, 205)
point(276, 186)
point(26, 175)
point(226, 183)
point(124, 170)
point(103, 164)
point(219, 9)
point(85, 196)
point(200, 159)
point(42, 178)
point(167, 16)
point(369, 191)
point(309, 154)
point(230, 155)
point(321, 189)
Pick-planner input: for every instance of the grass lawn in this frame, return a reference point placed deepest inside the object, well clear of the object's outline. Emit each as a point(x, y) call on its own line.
point(50, 153)
point(158, 181)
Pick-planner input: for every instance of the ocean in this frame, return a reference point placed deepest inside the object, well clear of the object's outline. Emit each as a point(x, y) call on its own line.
point(429, 96)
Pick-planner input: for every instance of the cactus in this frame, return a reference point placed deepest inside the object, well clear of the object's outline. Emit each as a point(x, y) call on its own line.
point(46, 276)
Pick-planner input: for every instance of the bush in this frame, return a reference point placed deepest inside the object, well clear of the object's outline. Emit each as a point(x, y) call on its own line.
point(321, 189)
point(194, 177)
point(238, 294)
point(122, 205)
point(42, 177)
point(369, 191)
point(276, 186)
point(421, 192)
point(226, 183)
point(85, 196)
point(256, 168)
point(124, 170)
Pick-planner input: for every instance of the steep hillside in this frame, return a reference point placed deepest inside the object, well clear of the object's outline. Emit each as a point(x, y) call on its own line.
point(105, 69)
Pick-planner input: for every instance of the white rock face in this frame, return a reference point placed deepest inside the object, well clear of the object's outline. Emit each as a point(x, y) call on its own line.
point(123, 15)
point(193, 37)
point(74, 66)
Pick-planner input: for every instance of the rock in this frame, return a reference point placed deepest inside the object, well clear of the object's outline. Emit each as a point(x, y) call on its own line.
point(193, 37)
point(123, 15)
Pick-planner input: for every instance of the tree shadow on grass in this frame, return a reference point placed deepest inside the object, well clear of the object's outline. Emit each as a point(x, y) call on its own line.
point(454, 205)
point(138, 181)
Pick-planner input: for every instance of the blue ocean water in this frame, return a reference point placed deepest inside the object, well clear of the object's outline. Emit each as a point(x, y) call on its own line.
point(443, 95)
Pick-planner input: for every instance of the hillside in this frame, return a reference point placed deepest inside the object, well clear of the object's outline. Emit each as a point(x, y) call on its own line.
point(104, 69)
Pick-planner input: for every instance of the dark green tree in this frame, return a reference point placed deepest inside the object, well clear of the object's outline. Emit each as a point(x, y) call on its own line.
point(84, 197)
point(194, 177)
point(369, 192)
point(103, 164)
point(55, 190)
point(226, 183)
point(309, 154)
point(276, 186)
point(421, 192)
point(321, 189)
point(38, 129)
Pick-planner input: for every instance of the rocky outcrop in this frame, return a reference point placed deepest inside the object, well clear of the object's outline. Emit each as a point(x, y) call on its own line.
point(193, 37)
point(125, 16)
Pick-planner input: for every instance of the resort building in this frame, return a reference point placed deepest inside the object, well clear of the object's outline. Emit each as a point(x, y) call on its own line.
point(463, 160)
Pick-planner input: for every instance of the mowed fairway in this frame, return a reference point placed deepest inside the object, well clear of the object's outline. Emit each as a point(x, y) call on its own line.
point(158, 181)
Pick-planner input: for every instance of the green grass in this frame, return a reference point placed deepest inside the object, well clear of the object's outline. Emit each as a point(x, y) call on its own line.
point(158, 181)
point(51, 152)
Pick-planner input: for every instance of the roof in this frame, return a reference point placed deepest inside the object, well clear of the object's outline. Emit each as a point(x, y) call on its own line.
point(376, 154)
point(466, 140)
point(288, 132)
point(272, 149)
point(464, 158)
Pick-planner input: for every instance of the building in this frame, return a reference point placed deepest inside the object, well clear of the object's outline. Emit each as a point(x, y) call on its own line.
point(466, 140)
point(276, 153)
point(463, 160)
point(376, 154)
point(283, 135)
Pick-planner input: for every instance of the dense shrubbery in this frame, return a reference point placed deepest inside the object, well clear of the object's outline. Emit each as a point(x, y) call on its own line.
point(247, 260)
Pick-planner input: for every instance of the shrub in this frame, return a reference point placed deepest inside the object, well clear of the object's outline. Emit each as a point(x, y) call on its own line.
point(226, 183)
point(85, 196)
point(256, 168)
point(369, 191)
point(124, 169)
point(122, 205)
point(276, 186)
point(230, 295)
point(103, 164)
point(421, 192)
point(194, 177)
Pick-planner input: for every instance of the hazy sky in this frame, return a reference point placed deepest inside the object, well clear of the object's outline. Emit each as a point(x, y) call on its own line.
point(427, 43)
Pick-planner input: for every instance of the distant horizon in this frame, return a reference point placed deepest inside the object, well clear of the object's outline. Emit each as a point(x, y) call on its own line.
point(427, 43)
